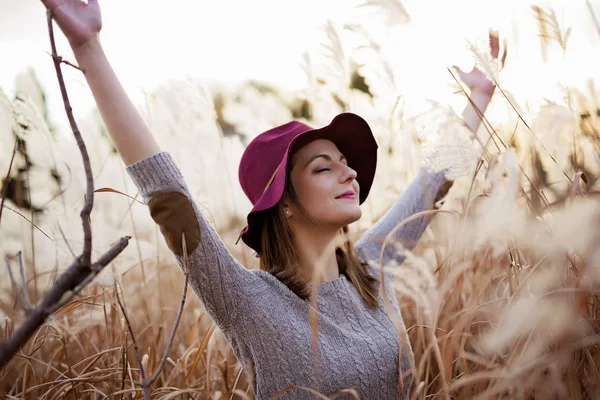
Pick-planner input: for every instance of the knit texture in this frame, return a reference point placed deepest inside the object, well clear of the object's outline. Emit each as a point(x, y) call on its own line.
point(268, 326)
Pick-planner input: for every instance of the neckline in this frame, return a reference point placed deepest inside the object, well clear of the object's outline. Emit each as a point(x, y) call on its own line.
point(327, 283)
point(329, 286)
point(322, 288)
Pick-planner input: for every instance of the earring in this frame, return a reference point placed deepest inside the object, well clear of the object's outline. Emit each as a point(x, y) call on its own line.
point(287, 213)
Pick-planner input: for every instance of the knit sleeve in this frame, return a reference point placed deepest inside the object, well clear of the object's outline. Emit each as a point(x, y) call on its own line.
point(216, 277)
point(419, 196)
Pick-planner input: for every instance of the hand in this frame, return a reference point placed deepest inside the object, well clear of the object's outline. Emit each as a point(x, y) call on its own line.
point(79, 21)
point(476, 80)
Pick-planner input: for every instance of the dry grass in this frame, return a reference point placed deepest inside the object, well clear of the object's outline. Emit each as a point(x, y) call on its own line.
point(500, 297)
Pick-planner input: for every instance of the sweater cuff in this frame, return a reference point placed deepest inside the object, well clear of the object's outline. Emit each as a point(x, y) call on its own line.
point(155, 174)
point(436, 183)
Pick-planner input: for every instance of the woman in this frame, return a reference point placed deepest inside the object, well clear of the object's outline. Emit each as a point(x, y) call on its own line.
point(305, 186)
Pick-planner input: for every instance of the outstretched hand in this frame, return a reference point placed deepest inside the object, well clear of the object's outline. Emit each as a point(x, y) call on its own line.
point(79, 21)
point(476, 80)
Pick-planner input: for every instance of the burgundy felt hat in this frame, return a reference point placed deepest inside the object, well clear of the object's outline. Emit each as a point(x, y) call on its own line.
point(263, 167)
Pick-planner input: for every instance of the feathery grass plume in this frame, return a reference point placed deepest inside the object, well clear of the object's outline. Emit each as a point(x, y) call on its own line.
point(516, 304)
point(336, 69)
point(379, 74)
point(333, 49)
point(27, 84)
point(557, 126)
point(484, 60)
point(550, 30)
point(453, 152)
point(7, 131)
point(447, 143)
point(394, 12)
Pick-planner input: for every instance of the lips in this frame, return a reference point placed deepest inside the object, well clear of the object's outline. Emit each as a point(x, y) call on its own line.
point(349, 194)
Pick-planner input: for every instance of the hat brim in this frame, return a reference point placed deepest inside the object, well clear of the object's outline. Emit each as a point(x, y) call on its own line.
point(352, 136)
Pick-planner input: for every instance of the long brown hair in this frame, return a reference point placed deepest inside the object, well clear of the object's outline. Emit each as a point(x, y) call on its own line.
point(279, 256)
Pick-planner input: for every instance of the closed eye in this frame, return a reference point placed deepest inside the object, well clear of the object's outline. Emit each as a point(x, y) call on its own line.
point(322, 170)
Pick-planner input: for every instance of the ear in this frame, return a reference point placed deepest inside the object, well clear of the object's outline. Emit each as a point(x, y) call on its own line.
point(287, 210)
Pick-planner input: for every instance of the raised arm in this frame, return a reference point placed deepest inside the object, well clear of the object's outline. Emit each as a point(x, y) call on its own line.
point(220, 282)
point(481, 88)
point(81, 23)
point(428, 186)
point(419, 196)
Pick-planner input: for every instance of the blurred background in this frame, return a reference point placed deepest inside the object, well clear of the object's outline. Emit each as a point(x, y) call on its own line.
point(229, 42)
point(209, 76)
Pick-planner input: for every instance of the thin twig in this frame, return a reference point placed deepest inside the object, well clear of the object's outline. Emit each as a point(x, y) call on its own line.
point(65, 239)
point(135, 345)
point(179, 312)
point(14, 284)
point(24, 283)
point(70, 64)
point(146, 383)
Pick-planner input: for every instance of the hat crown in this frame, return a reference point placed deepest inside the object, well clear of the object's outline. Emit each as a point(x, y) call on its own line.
point(263, 155)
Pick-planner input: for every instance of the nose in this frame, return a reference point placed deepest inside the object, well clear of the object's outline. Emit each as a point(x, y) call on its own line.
point(348, 174)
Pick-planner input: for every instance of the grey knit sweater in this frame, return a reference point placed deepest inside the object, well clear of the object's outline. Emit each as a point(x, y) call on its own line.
point(266, 324)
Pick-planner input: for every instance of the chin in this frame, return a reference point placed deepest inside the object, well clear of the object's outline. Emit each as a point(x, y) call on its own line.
point(353, 217)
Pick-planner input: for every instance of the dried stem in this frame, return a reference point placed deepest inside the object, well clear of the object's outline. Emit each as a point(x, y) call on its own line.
point(178, 318)
point(24, 283)
point(70, 280)
point(146, 383)
point(14, 284)
point(593, 14)
point(95, 270)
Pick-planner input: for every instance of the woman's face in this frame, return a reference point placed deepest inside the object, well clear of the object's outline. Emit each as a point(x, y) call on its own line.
point(325, 186)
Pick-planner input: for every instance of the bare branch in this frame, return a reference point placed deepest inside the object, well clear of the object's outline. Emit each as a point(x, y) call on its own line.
point(89, 198)
point(96, 269)
point(81, 271)
point(70, 280)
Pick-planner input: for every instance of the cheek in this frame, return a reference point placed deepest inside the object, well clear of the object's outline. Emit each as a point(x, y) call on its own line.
point(314, 194)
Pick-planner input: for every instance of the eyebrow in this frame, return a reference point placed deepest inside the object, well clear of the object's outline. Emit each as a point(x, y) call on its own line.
point(325, 156)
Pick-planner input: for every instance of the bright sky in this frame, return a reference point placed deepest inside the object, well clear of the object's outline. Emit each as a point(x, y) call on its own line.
point(228, 41)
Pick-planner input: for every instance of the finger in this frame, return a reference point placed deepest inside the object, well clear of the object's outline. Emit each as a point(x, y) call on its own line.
point(494, 43)
point(459, 71)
